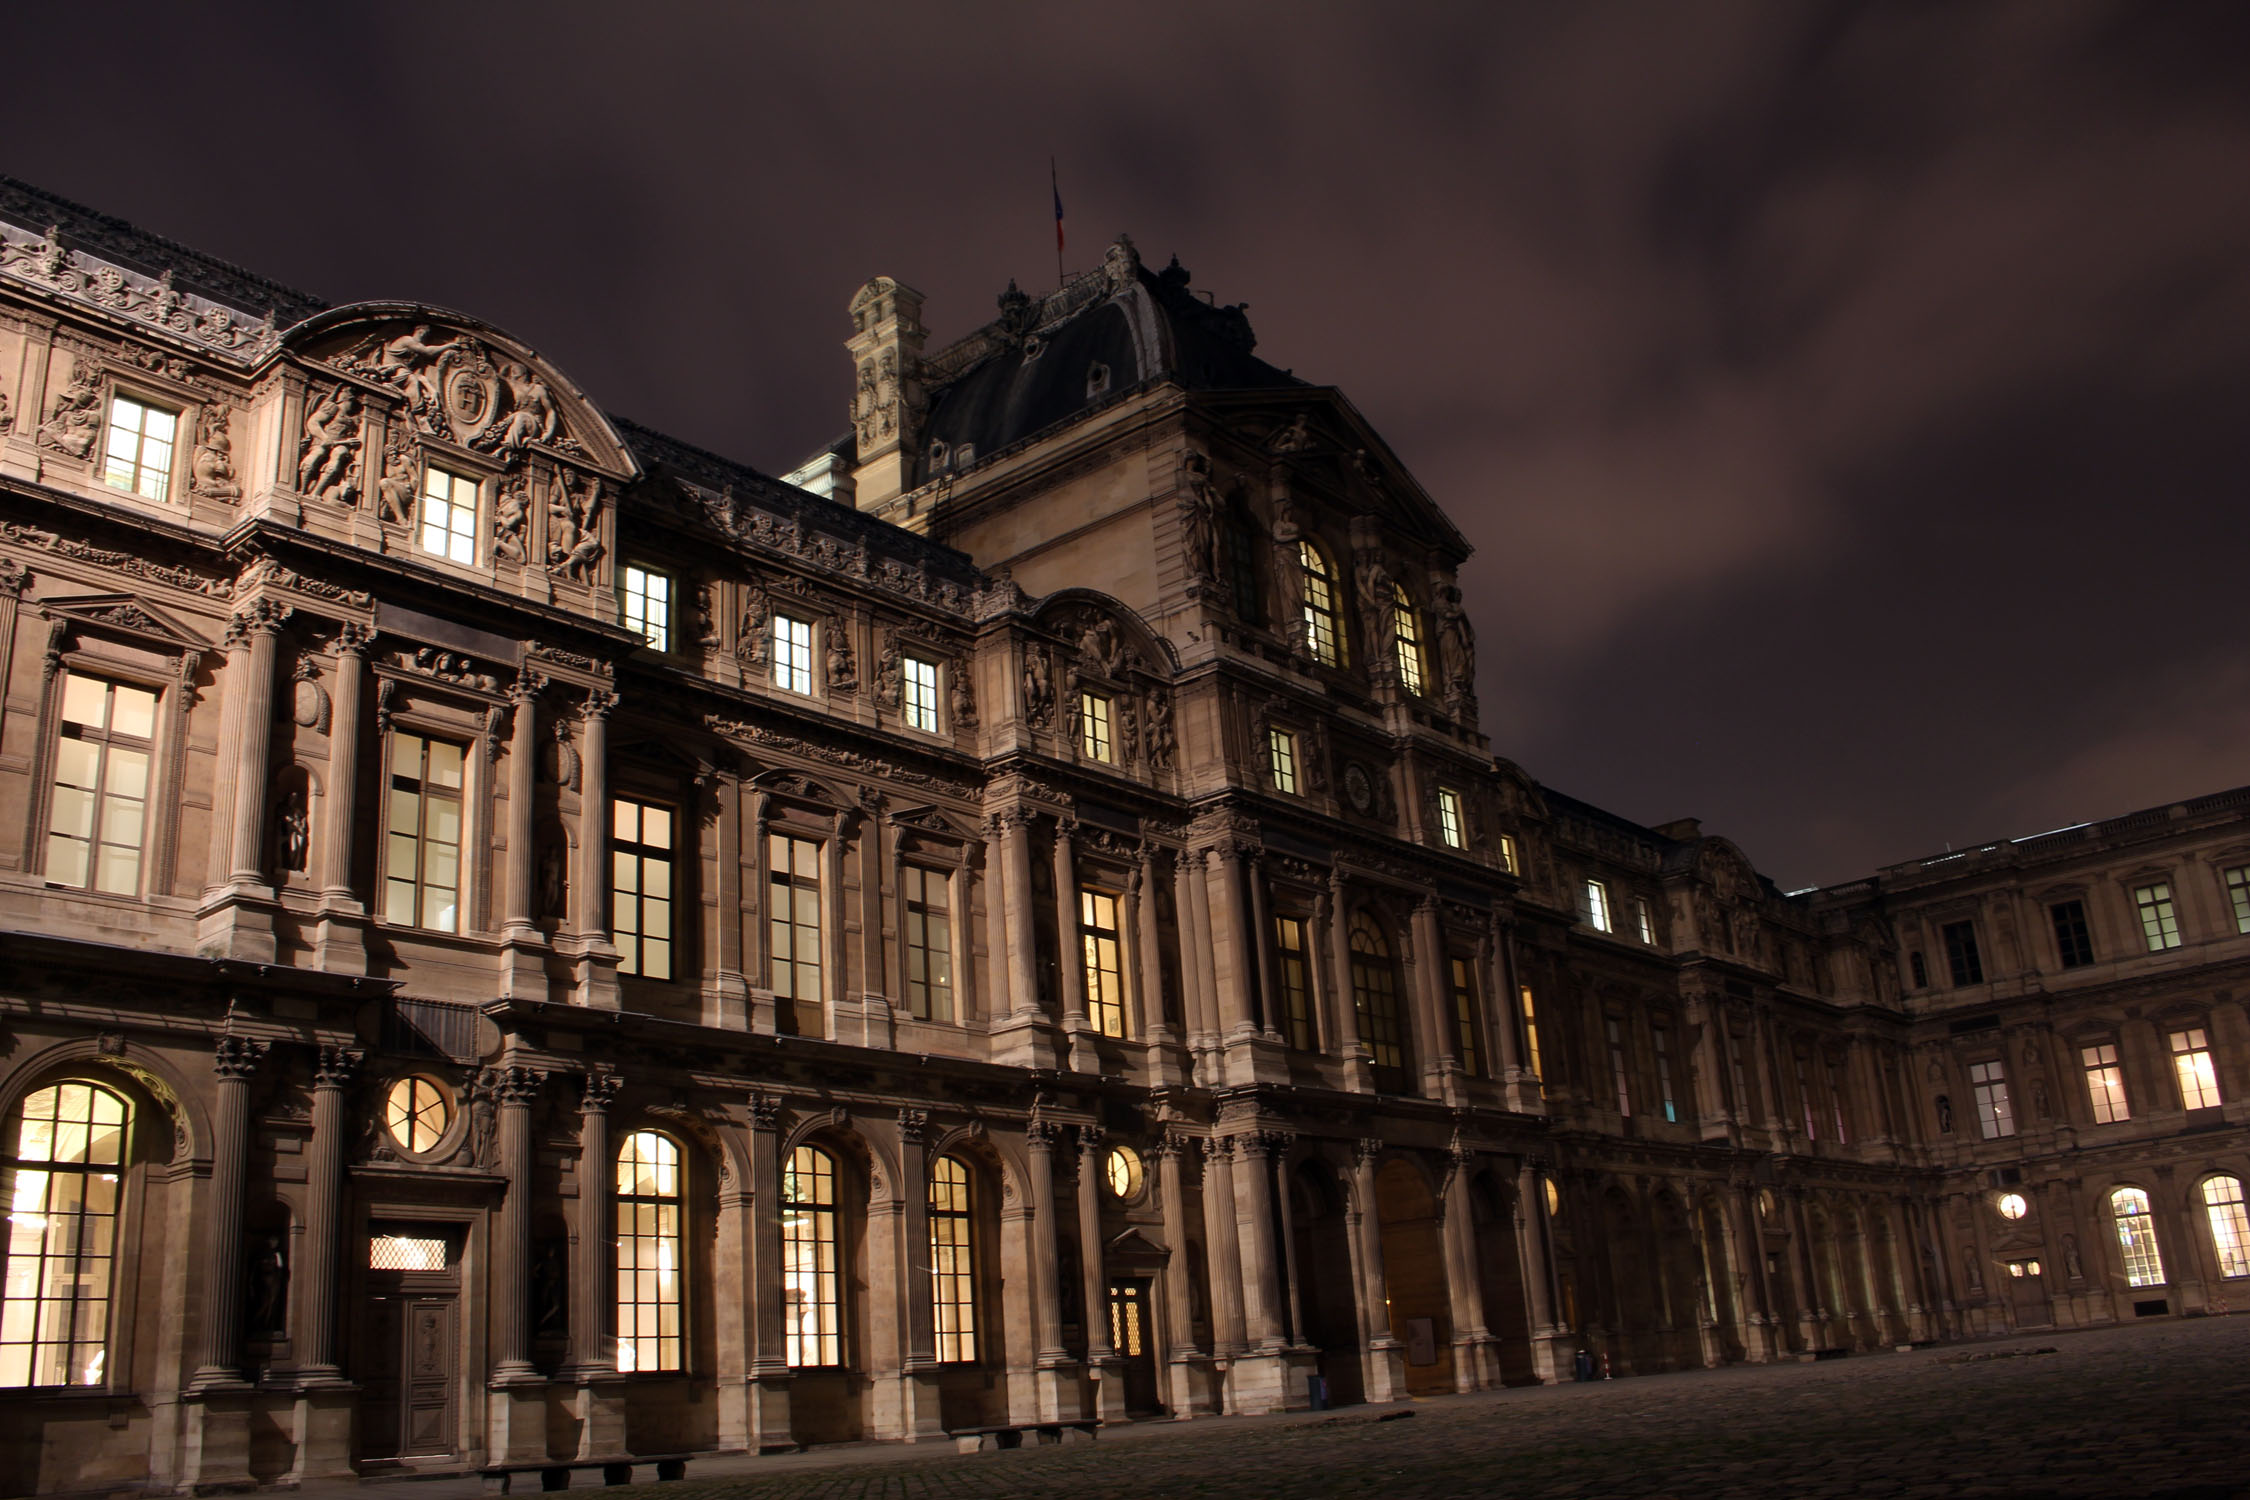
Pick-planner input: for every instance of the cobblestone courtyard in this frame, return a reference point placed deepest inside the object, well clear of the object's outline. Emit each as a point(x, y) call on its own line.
point(2152, 1411)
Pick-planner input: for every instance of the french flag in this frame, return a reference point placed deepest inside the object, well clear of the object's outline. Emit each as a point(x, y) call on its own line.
point(1056, 185)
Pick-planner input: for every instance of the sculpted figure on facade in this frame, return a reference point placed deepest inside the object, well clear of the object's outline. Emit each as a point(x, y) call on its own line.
point(843, 667)
point(1038, 688)
point(396, 487)
point(211, 474)
point(511, 521)
point(532, 417)
point(750, 645)
point(331, 445)
point(962, 689)
point(75, 420)
point(409, 362)
point(574, 544)
point(1201, 516)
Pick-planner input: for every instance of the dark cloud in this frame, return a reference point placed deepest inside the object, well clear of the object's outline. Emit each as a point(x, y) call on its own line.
point(1845, 399)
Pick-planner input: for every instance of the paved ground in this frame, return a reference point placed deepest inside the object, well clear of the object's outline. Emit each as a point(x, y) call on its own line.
point(2156, 1412)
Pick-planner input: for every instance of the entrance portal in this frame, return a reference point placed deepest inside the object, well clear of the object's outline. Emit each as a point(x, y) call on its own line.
point(409, 1338)
point(1131, 1335)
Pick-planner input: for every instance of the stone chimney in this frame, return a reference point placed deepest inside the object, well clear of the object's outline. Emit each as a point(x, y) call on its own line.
point(886, 347)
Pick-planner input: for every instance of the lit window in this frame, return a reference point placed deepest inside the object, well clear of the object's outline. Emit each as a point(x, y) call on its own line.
point(65, 1164)
point(1121, 1169)
point(1961, 953)
point(1617, 1070)
point(929, 943)
point(792, 655)
point(811, 1286)
point(793, 916)
point(1323, 635)
point(417, 1112)
point(2230, 1230)
point(2191, 1061)
point(139, 455)
point(1296, 987)
point(2013, 1205)
point(2159, 926)
point(648, 1253)
point(1093, 727)
point(2105, 1083)
point(1597, 905)
point(1644, 920)
point(1508, 854)
point(641, 888)
point(2136, 1237)
point(1407, 636)
point(1663, 1047)
point(1530, 1031)
point(918, 694)
point(449, 516)
point(647, 601)
point(1281, 758)
point(2238, 891)
point(2074, 941)
point(1995, 1116)
point(953, 1262)
point(1465, 1016)
point(103, 748)
point(1375, 994)
point(1105, 977)
point(1450, 827)
point(422, 842)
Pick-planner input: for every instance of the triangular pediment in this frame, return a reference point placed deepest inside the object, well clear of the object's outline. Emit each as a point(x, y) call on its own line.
point(127, 615)
point(1134, 1247)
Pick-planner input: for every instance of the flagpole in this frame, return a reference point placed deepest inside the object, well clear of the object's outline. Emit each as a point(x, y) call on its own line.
point(1054, 184)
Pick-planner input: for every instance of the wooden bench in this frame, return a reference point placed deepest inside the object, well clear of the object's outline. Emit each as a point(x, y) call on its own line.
point(986, 1439)
point(555, 1475)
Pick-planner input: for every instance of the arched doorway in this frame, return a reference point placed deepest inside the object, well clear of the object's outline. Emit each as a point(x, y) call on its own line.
point(1414, 1270)
point(1327, 1287)
point(1680, 1307)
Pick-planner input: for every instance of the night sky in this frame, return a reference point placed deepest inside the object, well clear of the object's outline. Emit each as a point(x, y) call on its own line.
point(1850, 404)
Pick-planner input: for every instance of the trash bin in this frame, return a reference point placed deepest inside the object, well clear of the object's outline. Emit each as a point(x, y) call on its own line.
point(1584, 1365)
point(1317, 1389)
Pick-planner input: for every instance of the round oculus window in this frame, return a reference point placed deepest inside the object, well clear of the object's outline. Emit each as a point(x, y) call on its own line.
point(2013, 1206)
point(1359, 790)
point(418, 1111)
point(1554, 1198)
point(1122, 1169)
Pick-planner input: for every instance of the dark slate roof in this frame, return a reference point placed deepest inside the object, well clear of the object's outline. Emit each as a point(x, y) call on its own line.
point(114, 240)
point(1030, 368)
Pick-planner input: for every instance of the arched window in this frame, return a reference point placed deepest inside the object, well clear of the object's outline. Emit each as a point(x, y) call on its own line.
point(648, 1253)
point(1406, 636)
point(1324, 635)
point(953, 1262)
point(1375, 994)
point(811, 1289)
point(2230, 1229)
point(64, 1179)
point(2136, 1237)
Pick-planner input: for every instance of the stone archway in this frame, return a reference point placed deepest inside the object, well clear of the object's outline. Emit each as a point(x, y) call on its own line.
point(1327, 1286)
point(1499, 1269)
point(1679, 1289)
point(1414, 1270)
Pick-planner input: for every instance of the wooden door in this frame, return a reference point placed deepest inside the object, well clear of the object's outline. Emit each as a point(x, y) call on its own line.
point(408, 1348)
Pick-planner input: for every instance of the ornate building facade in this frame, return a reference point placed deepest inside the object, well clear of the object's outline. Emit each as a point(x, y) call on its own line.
point(525, 939)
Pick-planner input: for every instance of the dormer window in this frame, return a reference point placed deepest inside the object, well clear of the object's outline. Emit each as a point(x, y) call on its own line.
point(1406, 639)
point(1324, 636)
point(449, 516)
point(1281, 760)
point(139, 454)
point(646, 597)
point(1451, 827)
point(1093, 728)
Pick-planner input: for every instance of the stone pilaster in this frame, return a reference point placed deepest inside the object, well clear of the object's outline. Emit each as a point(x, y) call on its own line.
point(1185, 1364)
point(600, 1397)
point(920, 1415)
point(217, 1399)
point(596, 976)
point(769, 1353)
point(523, 972)
point(1386, 1359)
point(1101, 1356)
point(339, 939)
point(237, 917)
point(1077, 1029)
point(1053, 1359)
point(516, 1410)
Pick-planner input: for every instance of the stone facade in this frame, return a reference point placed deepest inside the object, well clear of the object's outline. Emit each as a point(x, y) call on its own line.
point(527, 939)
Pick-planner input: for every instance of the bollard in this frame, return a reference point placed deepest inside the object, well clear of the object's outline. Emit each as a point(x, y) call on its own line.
point(1605, 1365)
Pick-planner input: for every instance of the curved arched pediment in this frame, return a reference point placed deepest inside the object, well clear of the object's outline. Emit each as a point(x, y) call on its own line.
point(462, 381)
point(1111, 639)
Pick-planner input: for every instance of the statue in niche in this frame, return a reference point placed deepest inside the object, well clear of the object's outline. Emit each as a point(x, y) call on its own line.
point(1200, 519)
point(7, 414)
point(1038, 689)
point(511, 521)
point(396, 487)
point(550, 1289)
point(1976, 1272)
point(292, 832)
point(890, 672)
point(1160, 741)
point(1945, 1114)
point(269, 1287)
point(1128, 733)
point(1457, 642)
point(864, 404)
point(2070, 1258)
point(211, 473)
point(706, 617)
point(554, 881)
point(2039, 1103)
point(1378, 596)
point(484, 1119)
point(331, 443)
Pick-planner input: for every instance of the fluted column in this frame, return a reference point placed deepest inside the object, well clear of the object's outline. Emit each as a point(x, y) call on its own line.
point(324, 1192)
point(1093, 1272)
point(1359, 1073)
point(914, 1200)
point(597, 964)
point(1222, 1245)
point(1046, 1259)
point(1069, 952)
point(1265, 991)
point(235, 1060)
point(1502, 1011)
point(252, 639)
point(769, 1374)
point(1230, 947)
point(343, 764)
point(1463, 1283)
point(511, 1247)
point(1438, 1044)
point(1531, 1251)
point(1261, 1258)
point(516, 910)
point(1190, 906)
point(1015, 875)
point(1386, 1362)
point(593, 1346)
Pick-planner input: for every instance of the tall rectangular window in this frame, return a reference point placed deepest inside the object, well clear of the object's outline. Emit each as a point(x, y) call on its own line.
point(2191, 1063)
point(1597, 905)
point(1644, 919)
point(99, 819)
point(953, 1262)
point(1296, 981)
point(649, 1275)
point(449, 516)
point(811, 1261)
point(1530, 1031)
point(1451, 828)
point(646, 599)
point(929, 943)
point(1662, 1040)
point(2074, 941)
point(1995, 1116)
point(1619, 1076)
point(793, 655)
point(1093, 728)
point(793, 916)
point(1324, 636)
point(1508, 854)
point(2238, 892)
point(2160, 927)
point(1961, 953)
point(2105, 1083)
point(422, 834)
point(1281, 759)
point(138, 456)
point(640, 894)
point(1105, 974)
point(1465, 1016)
point(1407, 639)
point(917, 687)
